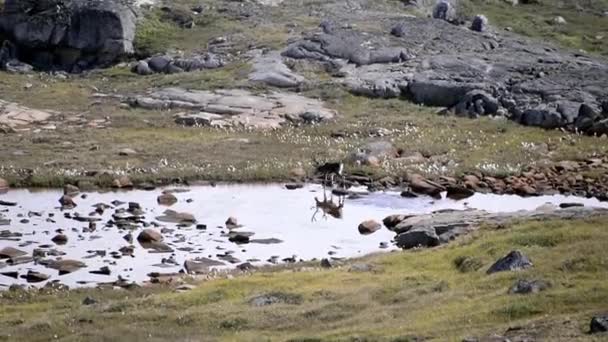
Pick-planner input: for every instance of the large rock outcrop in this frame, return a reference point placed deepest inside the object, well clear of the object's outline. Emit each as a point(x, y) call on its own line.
point(436, 63)
point(71, 35)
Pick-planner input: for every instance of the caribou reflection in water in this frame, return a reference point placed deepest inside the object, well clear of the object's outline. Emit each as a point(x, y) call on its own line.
point(328, 206)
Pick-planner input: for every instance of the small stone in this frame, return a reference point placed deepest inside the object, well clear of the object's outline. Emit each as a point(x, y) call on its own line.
point(559, 20)
point(60, 239)
point(294, 186)
point(67, 202)
point(232, 222)
point(167, 199)
point(104, 270)
point(393, 220)
point(127, 152)
point(529, 286)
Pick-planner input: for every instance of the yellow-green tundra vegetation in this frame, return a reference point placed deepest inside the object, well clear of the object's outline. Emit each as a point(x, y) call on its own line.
point(399, 296)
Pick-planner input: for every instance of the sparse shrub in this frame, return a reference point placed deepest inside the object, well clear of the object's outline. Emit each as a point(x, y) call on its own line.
point(466, 264)
point(518, 311)
point(234, 324)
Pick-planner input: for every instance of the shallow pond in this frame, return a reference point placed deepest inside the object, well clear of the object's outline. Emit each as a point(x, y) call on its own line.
point(267, 211)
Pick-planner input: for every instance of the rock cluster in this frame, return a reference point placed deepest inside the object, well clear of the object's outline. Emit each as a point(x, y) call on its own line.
point(470, 71)
point(172, 65)
point(566, 177)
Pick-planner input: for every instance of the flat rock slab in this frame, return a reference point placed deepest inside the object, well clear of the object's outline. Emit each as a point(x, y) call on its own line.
point(16, 116)
point(236, 107)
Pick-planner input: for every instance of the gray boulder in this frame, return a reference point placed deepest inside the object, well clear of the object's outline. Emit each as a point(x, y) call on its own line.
point(69, 34)
point(476, 103)
point(423, 236)
point(444, 11)
point(480, 23)
point(599, 324)
point(514, 261)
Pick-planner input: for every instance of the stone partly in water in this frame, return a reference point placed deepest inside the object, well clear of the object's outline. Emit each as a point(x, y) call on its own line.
point(64, 266)
point(369, 227)
point(172, 216)
point(459, 192)
point(513, 261)
point(67, 202)
point(60, 239)
point(166, 199)
point(70, 35)
point(424, 186)
point(201, 265)
point(10, 253)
